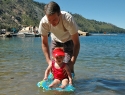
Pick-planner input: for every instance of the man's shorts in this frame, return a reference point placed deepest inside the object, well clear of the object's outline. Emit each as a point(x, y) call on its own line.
point(67, 46)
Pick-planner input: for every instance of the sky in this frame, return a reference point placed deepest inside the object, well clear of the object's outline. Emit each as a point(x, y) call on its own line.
point(109, 11)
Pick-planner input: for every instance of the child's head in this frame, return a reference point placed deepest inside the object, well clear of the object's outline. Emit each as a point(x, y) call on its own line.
point(58, 54)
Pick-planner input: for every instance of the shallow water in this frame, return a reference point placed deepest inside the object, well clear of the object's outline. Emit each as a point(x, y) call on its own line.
point(99, 69)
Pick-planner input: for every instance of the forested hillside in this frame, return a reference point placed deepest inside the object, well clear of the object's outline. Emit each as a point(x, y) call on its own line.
point(17, 13)
point(96, 26)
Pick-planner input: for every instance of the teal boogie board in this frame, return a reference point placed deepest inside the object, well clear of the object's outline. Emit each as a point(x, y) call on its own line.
point(45, 83)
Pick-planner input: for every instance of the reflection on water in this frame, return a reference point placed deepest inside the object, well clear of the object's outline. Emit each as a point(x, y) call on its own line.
point(99, 69)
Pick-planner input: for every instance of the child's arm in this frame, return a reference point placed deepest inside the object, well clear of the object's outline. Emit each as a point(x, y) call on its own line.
point(68, 73)
point(47, 71)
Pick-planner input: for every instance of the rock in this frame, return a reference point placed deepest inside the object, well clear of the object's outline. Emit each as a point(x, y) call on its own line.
point(81, 33)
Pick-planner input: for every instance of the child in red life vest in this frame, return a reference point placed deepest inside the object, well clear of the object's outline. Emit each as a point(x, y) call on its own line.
point(60, 70)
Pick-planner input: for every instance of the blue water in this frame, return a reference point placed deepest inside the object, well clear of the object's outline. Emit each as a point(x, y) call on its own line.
point(99, 69)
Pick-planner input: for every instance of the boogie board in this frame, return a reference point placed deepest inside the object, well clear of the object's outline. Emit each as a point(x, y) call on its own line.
point(45, 83)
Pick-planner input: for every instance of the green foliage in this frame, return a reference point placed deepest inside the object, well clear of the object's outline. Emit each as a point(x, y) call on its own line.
point(96, 26)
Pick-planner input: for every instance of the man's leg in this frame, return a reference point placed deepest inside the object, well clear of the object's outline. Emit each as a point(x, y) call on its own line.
point(68, 49)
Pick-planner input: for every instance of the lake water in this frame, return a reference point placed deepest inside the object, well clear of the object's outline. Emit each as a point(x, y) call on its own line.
point(99, 69)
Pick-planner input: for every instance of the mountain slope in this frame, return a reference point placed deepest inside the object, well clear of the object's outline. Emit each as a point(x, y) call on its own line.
point(20, 12)
point(96, 26)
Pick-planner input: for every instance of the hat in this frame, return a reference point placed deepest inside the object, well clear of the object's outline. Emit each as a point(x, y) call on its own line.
point(58, 52)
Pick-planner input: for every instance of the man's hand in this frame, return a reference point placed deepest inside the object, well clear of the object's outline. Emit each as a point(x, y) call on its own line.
point(71, 66)
point(70, 83)
point(49, 62)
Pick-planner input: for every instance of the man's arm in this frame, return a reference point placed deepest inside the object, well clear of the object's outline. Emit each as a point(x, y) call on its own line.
point(76, 48)
point(45, 48)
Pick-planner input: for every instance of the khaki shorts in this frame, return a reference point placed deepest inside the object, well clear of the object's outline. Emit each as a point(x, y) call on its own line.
point(67, 46)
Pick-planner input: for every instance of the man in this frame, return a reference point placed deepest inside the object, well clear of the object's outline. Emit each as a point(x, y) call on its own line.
point(64, 33)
